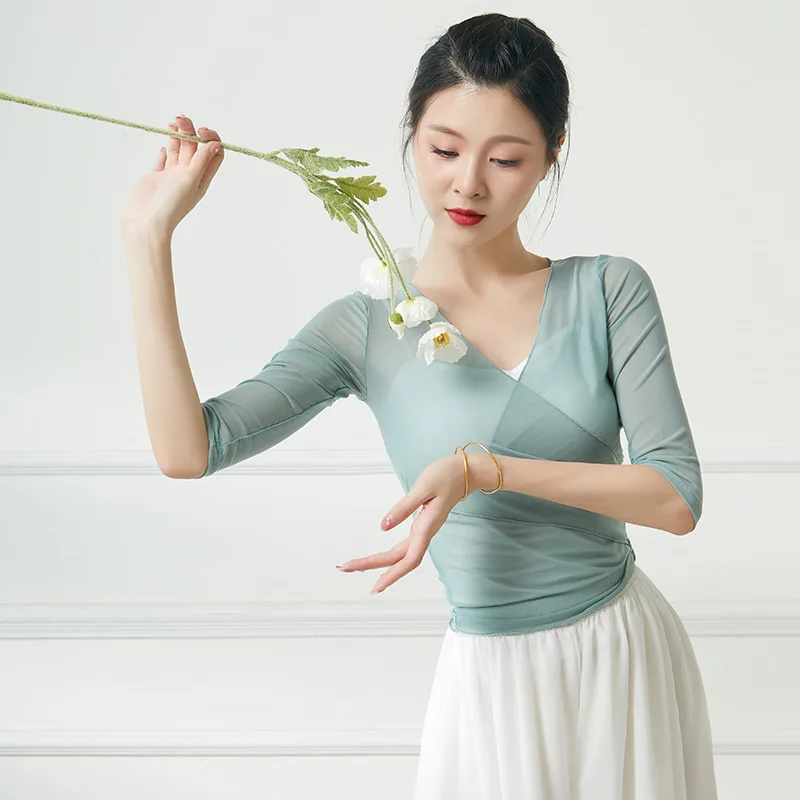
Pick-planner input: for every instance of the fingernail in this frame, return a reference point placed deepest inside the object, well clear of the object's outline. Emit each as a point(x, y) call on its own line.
point(387, 520)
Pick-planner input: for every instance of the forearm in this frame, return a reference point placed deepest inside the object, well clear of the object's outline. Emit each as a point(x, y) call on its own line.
point(634, 493)
point(172, 407)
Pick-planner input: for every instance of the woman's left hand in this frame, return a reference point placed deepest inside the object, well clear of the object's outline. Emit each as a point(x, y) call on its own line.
point(437, 490)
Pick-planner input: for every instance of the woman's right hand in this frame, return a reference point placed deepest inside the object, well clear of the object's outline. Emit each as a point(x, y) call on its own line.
point(179, 179)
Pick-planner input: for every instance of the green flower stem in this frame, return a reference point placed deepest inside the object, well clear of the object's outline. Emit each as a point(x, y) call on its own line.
point(272, 157)
point(374, 243)
point(383, 252)
point(376, 240)
point(393, 269)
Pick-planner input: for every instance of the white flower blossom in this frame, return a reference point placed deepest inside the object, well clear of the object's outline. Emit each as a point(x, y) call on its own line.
point(398, 327)
point(417, 309)
point(441, 343)
point(375, 274)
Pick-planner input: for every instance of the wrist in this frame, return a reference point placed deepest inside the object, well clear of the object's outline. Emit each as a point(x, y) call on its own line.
point(482, 470)
point(147, 233)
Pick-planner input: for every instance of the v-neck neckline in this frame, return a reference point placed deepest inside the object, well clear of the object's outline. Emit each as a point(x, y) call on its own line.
point(481, 356)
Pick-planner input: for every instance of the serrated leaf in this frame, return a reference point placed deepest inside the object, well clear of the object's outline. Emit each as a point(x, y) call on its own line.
point(365, 187)
point(308, 159)
point(336, 204)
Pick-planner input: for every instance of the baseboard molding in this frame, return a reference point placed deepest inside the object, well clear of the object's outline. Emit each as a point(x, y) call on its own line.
point(274, 743)
point(276, 461)
point(330, 620)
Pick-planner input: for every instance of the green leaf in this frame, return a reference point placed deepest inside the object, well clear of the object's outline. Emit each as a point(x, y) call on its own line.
point(308, 159)
point(365, 187)
point(336, 203)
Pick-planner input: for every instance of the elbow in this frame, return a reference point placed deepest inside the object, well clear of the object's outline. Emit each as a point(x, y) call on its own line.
point(678, 515)
point(682, 519)
point(185, 474)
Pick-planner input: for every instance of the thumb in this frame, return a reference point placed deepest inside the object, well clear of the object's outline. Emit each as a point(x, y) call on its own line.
point(204, 155)
point(209, 158)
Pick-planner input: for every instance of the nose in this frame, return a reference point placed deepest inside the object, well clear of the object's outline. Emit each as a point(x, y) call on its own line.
point(468, 180)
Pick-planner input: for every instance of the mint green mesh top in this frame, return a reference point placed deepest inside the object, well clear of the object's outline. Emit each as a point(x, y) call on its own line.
point(509, 562)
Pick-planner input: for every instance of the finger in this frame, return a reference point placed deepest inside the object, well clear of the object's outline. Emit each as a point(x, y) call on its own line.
point(384, 559)
point(401, 510)
point(208, 134)
point(188, 147)
point(214, 160)
point(210, 171)
point(413, 558)
point(173, 146)
point(161, 159)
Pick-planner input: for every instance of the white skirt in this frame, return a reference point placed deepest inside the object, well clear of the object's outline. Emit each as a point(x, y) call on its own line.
point(610, 707)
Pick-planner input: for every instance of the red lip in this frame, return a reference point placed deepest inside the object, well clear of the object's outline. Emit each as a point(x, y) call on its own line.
point(466, 211)
point(465, 219)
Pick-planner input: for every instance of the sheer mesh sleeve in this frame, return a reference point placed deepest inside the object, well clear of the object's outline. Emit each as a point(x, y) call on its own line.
point(641, 372)
point(325, 360)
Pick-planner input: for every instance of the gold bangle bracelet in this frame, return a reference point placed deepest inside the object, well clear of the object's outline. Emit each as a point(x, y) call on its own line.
point(466, 473)
point(463, 449)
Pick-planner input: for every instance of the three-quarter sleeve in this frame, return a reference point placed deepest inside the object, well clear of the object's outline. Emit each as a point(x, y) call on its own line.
point(324, 361)
point(642, 375)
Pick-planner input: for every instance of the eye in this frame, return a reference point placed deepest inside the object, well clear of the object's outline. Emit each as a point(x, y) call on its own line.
point(450, 154)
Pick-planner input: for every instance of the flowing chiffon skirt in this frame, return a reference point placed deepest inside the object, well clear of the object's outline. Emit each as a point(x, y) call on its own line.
point(610, 707)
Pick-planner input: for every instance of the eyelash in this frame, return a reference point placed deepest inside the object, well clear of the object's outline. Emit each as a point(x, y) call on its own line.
point(447, 154)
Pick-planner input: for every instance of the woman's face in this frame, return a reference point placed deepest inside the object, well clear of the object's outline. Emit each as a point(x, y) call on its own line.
point(478, 171)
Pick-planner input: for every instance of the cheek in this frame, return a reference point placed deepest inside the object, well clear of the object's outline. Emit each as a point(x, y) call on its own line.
point(432, 178)
point(522, 188)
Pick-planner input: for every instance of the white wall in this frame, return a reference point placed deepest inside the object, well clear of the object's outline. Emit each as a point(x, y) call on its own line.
point(200, 626)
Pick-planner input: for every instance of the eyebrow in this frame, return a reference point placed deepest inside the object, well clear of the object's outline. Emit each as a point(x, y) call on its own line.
point(499, 138)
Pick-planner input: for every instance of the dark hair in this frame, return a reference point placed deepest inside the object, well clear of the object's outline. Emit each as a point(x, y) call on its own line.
point(494, 50)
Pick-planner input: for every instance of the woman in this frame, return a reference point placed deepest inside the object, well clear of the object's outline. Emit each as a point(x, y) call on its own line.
point(564, 672)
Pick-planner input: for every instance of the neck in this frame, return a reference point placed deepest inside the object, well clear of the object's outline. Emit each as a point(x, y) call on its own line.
point(475, 268)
